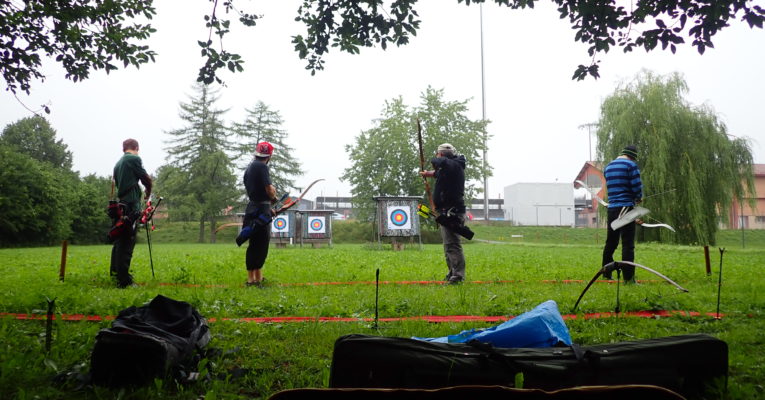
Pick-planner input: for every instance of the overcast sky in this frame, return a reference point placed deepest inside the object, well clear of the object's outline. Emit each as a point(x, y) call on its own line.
point(530, 55)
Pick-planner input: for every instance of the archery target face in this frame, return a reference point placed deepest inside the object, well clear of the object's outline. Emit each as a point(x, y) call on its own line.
point(317, 225)
point(281, 224)
point(399, 217)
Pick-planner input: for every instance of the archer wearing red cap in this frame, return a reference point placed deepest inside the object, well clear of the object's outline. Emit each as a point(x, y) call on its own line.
point(262, 194)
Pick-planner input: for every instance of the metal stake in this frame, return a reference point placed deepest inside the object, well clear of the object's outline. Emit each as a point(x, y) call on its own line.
point(719, 281)
point(377, 295)
point(49, 324)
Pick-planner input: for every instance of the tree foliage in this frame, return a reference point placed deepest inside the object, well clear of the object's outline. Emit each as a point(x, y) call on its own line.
point(682, 148)
point(93, 35)
point(89, 220)
point(80, 35)
point(200, 178)
point(35, 137)
point(264, 124)
point(349, 25)
point(42, 200)
point(34, 201)
point(385, 159)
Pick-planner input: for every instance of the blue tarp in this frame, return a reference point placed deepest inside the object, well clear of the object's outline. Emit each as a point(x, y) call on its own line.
point(541, 327)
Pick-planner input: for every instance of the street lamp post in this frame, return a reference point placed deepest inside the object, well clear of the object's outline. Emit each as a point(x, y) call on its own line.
point(483, 116)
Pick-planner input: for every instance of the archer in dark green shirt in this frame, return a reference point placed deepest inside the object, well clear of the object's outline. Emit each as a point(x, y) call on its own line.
point(127, 173)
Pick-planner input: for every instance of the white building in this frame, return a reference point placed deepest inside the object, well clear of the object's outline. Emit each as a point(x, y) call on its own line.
point(540, 204)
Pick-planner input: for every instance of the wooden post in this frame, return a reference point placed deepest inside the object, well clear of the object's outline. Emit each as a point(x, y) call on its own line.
point(62, 270)
point(706, 259)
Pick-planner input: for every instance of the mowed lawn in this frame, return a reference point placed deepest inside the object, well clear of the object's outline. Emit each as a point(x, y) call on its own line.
point(505, 278)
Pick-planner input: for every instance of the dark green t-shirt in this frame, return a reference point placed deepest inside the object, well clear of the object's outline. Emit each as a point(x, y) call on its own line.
point(128, 171)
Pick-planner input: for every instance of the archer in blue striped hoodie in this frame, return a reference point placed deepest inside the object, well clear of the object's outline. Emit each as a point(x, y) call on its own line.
point(625, 190)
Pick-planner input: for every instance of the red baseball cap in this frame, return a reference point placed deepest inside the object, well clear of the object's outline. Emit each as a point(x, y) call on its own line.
point(264, 149)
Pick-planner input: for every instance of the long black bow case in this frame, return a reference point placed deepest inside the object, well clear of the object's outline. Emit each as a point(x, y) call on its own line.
point(686, 364)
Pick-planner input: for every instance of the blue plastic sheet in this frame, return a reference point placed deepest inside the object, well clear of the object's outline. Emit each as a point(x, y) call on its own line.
point(541, 327)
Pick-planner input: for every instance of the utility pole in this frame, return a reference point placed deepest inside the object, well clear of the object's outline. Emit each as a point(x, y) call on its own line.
point(589, 127)
point(483, 116)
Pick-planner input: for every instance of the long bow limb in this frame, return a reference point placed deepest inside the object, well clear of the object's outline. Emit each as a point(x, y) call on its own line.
point(422, 166)
point(644, 225)
point(592, 192)
point(617, 264)
point(291, 203)
point(658, 224)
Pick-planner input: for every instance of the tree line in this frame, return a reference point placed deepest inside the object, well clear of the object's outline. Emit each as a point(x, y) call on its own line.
point(686, 153)
point(42, 200)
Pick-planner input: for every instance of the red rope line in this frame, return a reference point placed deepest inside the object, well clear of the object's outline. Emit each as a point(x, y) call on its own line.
point(424, 318)
point(289, 284)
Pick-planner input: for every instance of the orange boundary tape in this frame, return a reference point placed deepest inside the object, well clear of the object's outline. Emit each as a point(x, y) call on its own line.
point(424, 318)
point(550, 281)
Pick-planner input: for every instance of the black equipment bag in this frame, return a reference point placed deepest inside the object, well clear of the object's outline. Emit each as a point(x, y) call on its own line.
point(620, 392)
point(684, 364)
point(147, 342)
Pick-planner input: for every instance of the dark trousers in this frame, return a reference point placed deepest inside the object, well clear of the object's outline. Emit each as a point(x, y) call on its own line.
point(122, 254)
point(627, 235)
point(257, 250)
point(455, 258)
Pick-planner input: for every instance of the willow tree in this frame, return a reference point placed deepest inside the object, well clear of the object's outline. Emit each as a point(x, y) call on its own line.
point(688, 161)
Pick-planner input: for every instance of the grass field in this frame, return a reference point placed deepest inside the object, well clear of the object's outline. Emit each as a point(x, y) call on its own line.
point(279, 356)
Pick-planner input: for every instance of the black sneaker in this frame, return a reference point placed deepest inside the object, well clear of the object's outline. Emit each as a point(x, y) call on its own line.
point(455, 280)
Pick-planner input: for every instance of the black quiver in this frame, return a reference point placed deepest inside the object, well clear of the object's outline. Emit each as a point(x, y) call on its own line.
point(157, 340)
point(685, 364)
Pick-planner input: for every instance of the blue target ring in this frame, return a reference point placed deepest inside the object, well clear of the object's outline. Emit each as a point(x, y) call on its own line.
point(399, 217)
point(280, 224)
point(316, 224)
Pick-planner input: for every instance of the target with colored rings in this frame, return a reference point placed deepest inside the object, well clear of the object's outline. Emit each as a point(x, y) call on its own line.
point(399, 217)
point(317, 224)
point(280, 224)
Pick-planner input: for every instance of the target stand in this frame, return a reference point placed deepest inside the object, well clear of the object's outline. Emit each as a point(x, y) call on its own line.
point(396, 217)
point(284, 228)
point(315, 227)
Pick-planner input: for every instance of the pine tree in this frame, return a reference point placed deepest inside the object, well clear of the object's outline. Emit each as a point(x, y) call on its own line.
point(201, 173)
point(683, 149)
point(264, 124)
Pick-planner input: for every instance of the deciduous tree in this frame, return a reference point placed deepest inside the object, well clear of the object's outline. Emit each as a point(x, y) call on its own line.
point(93, 35)
point(35, 201)
point(682, 148)
point(35, 137)
point(385, 159)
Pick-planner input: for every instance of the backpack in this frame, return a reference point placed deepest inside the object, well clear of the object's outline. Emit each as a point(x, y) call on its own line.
point(157, 340)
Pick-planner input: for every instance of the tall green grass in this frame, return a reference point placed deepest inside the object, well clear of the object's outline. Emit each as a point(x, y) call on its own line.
point(290, 355)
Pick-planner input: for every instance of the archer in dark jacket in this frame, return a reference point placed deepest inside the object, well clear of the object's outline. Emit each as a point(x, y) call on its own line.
point(449, 200)
point(262, 194)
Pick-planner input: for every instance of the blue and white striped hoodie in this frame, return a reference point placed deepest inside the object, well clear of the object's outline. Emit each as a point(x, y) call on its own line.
point(623, 183)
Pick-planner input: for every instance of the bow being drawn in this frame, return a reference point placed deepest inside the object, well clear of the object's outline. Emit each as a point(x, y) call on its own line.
point(446, 219)
point(617, 265)
point(422, 166)
point(291, 203)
